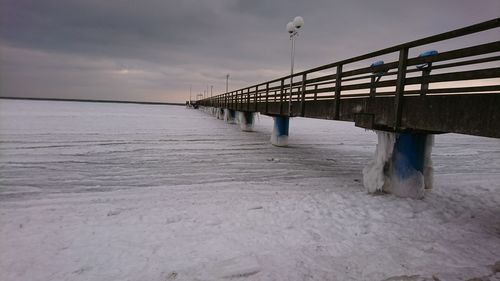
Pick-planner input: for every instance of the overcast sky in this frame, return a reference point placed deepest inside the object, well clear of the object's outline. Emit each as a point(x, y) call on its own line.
point(154, 50)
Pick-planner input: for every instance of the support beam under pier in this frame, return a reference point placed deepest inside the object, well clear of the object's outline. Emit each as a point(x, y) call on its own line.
point(246, 120)
point(402, 165)
point(230, 116)
point(279, 136)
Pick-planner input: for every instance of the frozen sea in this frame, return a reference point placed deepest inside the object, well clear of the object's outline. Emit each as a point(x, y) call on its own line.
point(97, 191)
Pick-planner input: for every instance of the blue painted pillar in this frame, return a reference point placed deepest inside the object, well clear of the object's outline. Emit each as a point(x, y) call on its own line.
point(230, 116)
point(402, 164)
point(246, 120)
point(408, 164)
point(279, 135)
point(409, 154)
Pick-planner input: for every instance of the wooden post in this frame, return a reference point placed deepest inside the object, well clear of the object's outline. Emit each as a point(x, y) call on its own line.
point(338, 85)
point(237, 100)
point(242, 100)
point(400, 87)
point(316, 92)
point(255, 97)
point(248, 99)
point(303, 97)
point(424, 87)
point(267, 97)
point(373, 87)
point(281, 96)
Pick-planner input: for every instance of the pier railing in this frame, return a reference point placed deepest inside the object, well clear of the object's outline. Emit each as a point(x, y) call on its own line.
point(466, 70)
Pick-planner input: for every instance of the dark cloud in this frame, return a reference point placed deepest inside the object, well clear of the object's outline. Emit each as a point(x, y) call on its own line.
point(156, 49)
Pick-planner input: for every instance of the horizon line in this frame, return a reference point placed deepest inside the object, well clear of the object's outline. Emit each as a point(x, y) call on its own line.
point(93, 100)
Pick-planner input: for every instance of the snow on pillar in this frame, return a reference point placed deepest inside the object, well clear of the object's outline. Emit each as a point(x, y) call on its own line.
point(230, 116)
point(279, 135)
point(220, 113)
point(402, 165)
point(246, 120)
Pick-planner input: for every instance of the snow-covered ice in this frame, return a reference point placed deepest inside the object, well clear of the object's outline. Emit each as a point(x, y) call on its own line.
point(92, 191)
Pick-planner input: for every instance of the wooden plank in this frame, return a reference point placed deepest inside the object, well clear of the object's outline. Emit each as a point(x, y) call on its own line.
point(467, 62)
point(459, 53)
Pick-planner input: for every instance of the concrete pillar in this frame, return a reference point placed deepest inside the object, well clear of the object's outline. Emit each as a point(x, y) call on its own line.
point(246, 120)
point(279, 136)
point(220, 113)
point(402, 165)
point(230, 116)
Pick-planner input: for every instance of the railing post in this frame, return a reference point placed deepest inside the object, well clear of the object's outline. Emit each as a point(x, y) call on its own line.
point(248, 99)
point(255, 97)
point(424, 87)
point(400, 87)
point(303, 97)
point(338, 85)
point(373, 87)
point(237, 97)
point(267, 97)
point(316, 92)
point(281, 95)
point(240, 100)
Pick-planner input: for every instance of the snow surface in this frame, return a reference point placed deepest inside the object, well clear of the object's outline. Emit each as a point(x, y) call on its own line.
point(92, 191)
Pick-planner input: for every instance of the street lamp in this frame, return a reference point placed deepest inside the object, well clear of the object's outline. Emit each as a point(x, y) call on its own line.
point(293, 29)
point(227, 82)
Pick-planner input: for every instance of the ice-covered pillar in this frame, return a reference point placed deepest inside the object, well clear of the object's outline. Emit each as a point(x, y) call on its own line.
point(402, 164)
point(279, 135)
point(230, 116)
point(246, 120)
point(220, 113)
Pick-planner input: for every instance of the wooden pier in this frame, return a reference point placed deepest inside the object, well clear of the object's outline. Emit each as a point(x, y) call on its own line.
point(452, 90)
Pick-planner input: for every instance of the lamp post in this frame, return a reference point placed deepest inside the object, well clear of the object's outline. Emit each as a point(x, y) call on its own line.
point(293, 29)
point(227, 82)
